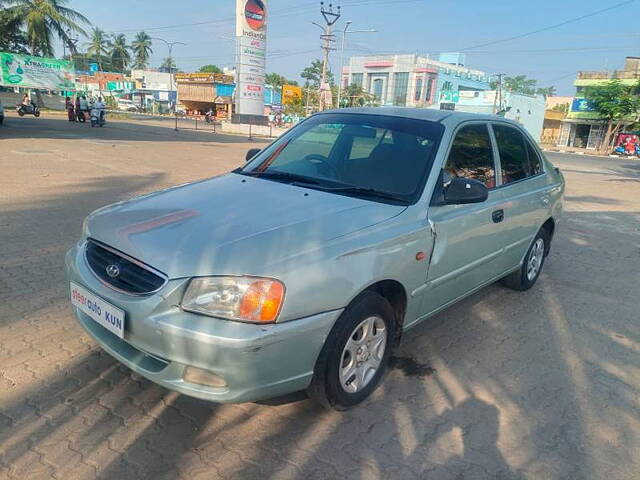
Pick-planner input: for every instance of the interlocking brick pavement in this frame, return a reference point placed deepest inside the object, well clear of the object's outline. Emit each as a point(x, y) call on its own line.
point(542, 384)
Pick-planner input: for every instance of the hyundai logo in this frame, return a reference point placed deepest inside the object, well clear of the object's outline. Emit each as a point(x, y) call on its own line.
point(113, 271)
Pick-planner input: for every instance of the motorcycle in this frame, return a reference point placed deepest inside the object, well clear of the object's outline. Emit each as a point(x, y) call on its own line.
point(208, 117)
point(97, 117)
point(31, 109)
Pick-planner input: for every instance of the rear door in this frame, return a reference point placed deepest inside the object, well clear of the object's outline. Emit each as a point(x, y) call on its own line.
point(526, 192)
point(467, 237)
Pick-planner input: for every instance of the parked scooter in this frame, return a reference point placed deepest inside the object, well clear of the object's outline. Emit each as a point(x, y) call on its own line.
point(208, 117)
point(31, 109)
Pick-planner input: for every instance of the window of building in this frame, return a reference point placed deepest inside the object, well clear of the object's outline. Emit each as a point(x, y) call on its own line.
point(471, 155)
point(429, 90)
point(356, 79)
point(418, 89)
point(447, 86)
point(513, 154)
point(378, 85)
point(401, 81)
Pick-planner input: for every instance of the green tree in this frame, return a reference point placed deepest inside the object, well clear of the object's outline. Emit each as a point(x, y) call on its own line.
point(617, 105)
point(11, 37)
point(355, 96)
point(98, 47)
point(313, 74)
point(277, 80)
point(546, 92)
point(210, 69)
point(120, 55)
point(168, 65)
point(518, 84)
point(141, 47)
point(561, 107)
point(45, 19)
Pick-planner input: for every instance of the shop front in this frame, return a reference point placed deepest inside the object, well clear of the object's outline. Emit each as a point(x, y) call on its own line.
point(204, 92)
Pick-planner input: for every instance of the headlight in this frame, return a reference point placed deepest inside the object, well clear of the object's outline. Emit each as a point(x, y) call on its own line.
point(246, 299)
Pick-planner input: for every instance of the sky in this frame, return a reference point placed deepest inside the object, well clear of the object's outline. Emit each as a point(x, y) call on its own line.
point(552, 56)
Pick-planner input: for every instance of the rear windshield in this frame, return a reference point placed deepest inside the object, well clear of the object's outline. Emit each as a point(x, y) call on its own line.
point(354, 154)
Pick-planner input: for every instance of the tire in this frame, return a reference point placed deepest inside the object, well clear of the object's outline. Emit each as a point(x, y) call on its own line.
point(21, 113)
point(368, 319)
point(36, 114)
point(526, 276)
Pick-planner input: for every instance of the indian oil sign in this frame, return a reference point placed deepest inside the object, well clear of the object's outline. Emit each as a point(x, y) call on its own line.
point(251, 37)
point(36, 72)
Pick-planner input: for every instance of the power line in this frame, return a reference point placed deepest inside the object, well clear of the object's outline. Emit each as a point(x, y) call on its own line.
point(544, 29)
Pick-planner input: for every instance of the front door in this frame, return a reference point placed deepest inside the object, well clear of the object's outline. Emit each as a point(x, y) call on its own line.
point(467, 237)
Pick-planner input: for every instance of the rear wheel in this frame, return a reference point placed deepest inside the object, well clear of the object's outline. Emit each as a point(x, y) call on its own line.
point(36, 114)
point(21, 113)
point(355, 354)
point(525, 277)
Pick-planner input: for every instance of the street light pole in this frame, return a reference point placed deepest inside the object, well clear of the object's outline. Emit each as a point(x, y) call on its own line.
point(344, 36)
point(171, 75)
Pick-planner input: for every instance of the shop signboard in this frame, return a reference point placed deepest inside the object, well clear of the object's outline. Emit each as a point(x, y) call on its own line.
point(290, 94)
point(582, 105)
point(36, 72)
point(251, 42)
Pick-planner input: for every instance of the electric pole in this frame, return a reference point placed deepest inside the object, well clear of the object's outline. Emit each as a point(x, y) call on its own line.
point(328, 39)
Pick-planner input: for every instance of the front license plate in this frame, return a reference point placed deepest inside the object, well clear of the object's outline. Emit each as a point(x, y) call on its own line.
point(110, 317)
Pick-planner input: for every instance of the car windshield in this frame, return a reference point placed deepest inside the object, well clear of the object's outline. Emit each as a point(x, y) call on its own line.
point(377, 157)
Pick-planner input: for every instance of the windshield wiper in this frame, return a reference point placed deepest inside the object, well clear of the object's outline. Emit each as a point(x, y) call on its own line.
point(274, 175)
point(372, 192)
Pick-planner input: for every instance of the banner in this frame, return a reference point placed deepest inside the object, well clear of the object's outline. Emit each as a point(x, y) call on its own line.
point(291, 94)
point(36, 72)
point(251, 43)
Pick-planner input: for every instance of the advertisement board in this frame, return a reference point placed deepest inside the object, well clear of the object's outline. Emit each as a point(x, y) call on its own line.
point(36, 72)
point(251, 44)
point(291, 94)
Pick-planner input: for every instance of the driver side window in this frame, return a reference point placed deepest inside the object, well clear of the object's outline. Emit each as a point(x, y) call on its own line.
point(471, 155)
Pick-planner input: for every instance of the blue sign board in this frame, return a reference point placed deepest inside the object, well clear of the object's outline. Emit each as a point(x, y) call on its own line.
point(582, 105)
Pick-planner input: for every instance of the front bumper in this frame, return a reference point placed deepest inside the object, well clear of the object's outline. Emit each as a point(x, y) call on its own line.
point(161, 340)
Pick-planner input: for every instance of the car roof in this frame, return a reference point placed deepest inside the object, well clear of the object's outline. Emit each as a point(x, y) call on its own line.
point(429, 114)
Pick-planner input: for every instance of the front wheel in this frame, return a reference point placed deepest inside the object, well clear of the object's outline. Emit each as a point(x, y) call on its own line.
point(21, 113)
point(36, 114)
point(527, 275)
point(355, 354)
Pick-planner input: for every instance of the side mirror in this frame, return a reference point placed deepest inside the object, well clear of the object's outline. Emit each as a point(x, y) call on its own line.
point(252, 153)
point(465, 190)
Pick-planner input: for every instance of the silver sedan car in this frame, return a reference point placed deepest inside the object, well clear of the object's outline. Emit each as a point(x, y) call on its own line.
point(304, 268)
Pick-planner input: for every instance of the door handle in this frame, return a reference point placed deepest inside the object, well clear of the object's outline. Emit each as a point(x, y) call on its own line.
point(497, 216)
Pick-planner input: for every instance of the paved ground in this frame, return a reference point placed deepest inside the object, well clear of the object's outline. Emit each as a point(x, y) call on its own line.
point(539, 385)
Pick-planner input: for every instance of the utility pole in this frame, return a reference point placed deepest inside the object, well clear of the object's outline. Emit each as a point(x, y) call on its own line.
point(328, 39)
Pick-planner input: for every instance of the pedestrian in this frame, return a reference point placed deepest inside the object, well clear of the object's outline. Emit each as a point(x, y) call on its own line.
point(70, 110)
point(84, 108)
point(77, 109)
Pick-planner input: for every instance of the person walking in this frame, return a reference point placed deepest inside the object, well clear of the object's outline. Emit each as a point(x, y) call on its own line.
point(70, 110)
point(78, 113)
point(84, 108)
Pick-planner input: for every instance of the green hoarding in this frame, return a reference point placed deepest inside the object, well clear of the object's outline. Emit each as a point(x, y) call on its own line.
point(36, 72)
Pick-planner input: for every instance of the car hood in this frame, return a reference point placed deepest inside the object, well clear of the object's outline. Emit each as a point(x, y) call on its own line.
point(231, 224)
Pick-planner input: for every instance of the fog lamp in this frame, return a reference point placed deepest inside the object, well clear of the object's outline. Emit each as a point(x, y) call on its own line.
point(202, 377)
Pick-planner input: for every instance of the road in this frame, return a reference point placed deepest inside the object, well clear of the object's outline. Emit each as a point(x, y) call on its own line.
point(538, 385)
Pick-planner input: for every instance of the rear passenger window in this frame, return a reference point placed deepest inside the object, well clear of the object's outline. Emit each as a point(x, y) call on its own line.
point(513, 154)
point(535, 165)
point(471, 155)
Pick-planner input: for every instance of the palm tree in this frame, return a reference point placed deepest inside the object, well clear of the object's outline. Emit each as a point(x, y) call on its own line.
point(546, 92)
point(43, 19)
point(168, 65)
point(120, 56)
point(141, 47)
point(98, 47)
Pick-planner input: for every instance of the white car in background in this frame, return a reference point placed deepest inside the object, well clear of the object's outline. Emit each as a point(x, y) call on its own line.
point(127, 106)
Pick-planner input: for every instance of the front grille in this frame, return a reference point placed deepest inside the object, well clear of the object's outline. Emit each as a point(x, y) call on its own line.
point(120, 272)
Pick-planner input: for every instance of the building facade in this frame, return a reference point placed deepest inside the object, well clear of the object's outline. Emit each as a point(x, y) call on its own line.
point(527, 110)
point(411, 80)
point(583, 127)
